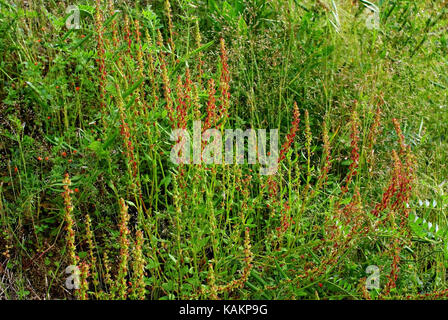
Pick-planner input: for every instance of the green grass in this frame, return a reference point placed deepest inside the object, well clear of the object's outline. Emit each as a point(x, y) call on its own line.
point(80, 144)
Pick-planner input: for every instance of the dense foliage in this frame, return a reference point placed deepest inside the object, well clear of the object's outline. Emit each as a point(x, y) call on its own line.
point(86, 178)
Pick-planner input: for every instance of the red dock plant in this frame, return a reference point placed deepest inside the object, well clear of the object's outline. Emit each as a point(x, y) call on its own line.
point(69, 222)
point(200, 61)
point(212, 117)
point(166, 83)
point(354, 157)
point(124, 250)
point(225, 83)
point(292, 133)
point(170, 27)
point(101, 57)
point(138, 269)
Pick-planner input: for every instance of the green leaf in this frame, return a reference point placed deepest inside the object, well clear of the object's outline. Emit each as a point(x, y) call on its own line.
point(165, 181)
point(97, 147)
point(191, 54)
point(131, 89)
point(152, 264)
point(242, 27)
point(172, 258)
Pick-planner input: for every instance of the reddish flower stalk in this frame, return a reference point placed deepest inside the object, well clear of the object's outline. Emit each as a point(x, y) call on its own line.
point(395, 269)
point(113, 24)
point(400, 186)
point(84, 284)
point(291, 135)
point(401, 177)
point(140, 107)
point(373, 133)
point(181, 108)
point(91, 246)
point(101, 60)
point(405, 179)
point(170, 26)
point(181, 114)
point(151, 68)
point(225, 86)
point(351, 209)
point(392, 188)
point(195, 102)
point(107, 278)
point(200, 54)
point(443, 294)
point(124, 251)
point(272, 186)
point(352, 170)
point(211, 119)
point(248, 258)
point(327, 164)
point(127, 36)
point(188, 89)
point(141, 66)
point(213, 291)
point(69, 223)
point(126, 134)
point(285, 220)
point(409, 169)
point(138, 269)
point(400, 137)
point(166, 85)
point(406, 176)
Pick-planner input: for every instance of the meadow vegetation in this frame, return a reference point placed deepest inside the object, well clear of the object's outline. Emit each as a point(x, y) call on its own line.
point(86, 178)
